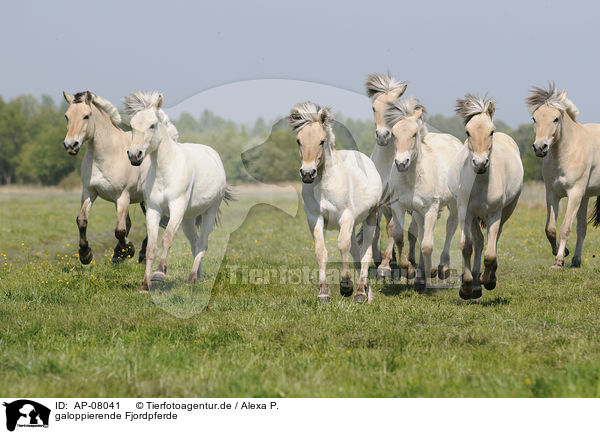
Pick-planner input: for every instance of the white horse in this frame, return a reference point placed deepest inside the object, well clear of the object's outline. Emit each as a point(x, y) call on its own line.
point(385, 89)
point(105, 169)
point(340, 189)
point(571, 166)
point(487, 177)
point(420, 182)
point(185, 181)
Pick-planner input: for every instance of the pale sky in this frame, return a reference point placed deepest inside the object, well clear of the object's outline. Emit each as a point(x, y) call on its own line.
point(183, 49)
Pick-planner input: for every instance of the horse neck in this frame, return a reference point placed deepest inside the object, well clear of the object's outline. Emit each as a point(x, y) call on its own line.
point(568, 133)
point(106, 139)
point(164, 158)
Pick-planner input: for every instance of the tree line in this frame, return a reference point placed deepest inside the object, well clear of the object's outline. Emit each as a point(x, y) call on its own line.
point(32, 131)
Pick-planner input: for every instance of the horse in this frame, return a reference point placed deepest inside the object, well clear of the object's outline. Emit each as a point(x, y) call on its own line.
point(419, 182)
point(185, 181)
point(486, 180)
point(382, 90)
point(105, 169)
point(340, 189)
point(570, 166)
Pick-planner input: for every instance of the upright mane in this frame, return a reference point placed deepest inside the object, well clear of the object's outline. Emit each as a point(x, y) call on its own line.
point(403, 108)
point(140, 100)
point(378, 84)
point(101, 104)
point(308, 112)
point(471, 106)
point(553, 98)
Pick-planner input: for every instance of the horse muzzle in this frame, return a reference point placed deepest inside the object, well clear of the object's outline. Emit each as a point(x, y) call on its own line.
point(308, 176)
point(402, 165)
point(73, 147)
point(135, 158)
point(541, 150)
point(382, 137)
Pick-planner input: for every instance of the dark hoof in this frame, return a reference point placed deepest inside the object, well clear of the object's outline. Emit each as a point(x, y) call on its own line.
point(463, 295)
point(86, 256)
point(121, 253)
point(490, 285)
point(443, 272)
point(142, 259)
point(192, 278)
point(433, 273)
point(385, 273)
point(324, 299)
point(411, 272)
point(576, 263)
point(346, 287)
point(420, 285)
point(158, 276)
point(477, 293)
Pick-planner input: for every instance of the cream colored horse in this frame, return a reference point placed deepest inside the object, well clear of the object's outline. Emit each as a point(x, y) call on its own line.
point(185, 181)
point(419, 181)
point(487, 177)
point(340, 189)
point(383, 90)
point(571, 166)
point(105, 169)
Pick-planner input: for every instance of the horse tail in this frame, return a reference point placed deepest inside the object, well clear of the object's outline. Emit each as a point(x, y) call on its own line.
point(595, 217)
point(228, 196)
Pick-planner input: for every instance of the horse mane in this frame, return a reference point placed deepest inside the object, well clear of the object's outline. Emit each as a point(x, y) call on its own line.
point(378, 84)
point(403, 108)
point(308, 112)
point(471, 106)
point(102, 104)
point(553, 98)
point(140, 100)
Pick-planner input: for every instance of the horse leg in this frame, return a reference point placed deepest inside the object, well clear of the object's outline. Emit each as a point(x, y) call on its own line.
point(176, 211)
point(384, 269)
point(426, 227)
point(581, 231)
point(477, 251)
point(399, 213)
point(87, 200)
point(574, 198)
point(376, 249)
point(413, 232)
point(451, 224)
point(191, 232)
point(490, 259)
point(142, 257)
point(363, 292)
point(124, 247)
point(209, 218)
point(152, 222)
point(318, 232)
point(551, 216)
point(344, 244)
point(466, 246)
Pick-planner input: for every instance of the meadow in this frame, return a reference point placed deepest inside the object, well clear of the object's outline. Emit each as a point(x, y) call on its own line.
point(73, 330)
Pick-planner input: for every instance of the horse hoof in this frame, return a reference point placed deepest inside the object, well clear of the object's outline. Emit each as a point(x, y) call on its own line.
point(420, 285)
point(443, 272)
point(463, 295)
point(86, 256)
point(477, 293)
point(144, 291)
point(576, 262)
point(566, 252)
point(411, 273)
point(325, 298)
point(490, 285)
point(433, 273)
point(346, 287)
point(158, 276)
point(556, 267)
point(192, 278)
point(360, 298)
point(385, 273)
point(142, 259)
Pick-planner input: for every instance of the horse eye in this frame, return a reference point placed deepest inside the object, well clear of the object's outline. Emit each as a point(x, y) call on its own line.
point(152, 126)
point(66, 117)
point(298, 141)
point(373, 109)
point(322, 142)
point(556, 120)
point(86, 117)
point(492, 133)
point(533, 119)
point(468, 135)
point(414, 135)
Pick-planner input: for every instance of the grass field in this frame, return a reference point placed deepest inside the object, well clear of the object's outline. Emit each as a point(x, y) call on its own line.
point(73, 330)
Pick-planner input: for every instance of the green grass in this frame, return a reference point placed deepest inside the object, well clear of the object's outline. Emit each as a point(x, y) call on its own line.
point(73, 330)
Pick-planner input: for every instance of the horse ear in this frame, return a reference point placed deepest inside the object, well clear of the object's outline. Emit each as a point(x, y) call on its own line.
point(401, 90)
point(159, 102)
point(491, 109)
point(325, 117)
point(89, 97)
point(68, 98)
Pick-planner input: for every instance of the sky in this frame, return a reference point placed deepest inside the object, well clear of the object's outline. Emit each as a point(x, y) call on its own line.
point(250, 59)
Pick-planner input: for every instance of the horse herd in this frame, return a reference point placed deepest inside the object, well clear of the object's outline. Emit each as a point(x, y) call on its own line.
point(411, 170)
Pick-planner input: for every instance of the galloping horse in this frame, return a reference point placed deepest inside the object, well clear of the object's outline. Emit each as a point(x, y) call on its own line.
point(419, 183)
point(571, 166)
point(385, 89)
point(105, 169)
point(486, 179)
point(340, 189)
point(185, 181)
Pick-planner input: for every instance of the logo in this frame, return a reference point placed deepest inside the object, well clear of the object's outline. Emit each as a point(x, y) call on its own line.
point(26, 413)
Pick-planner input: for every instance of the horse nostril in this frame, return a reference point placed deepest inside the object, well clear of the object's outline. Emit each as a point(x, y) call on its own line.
point(139, 154)
point(474, 161)
point(75, 143)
